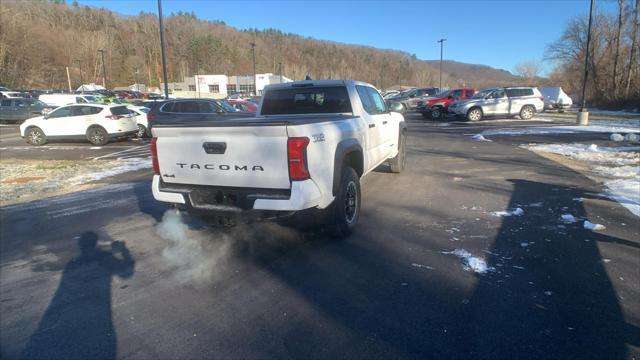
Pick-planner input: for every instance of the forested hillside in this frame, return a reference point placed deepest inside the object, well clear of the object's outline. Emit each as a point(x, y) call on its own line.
point(39, 39)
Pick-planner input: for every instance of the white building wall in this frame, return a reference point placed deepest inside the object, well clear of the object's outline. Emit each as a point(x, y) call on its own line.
point(203, 82)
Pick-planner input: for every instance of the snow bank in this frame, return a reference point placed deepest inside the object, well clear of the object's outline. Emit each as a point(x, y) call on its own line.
point(544, 130)
point(568, 218)
point(470, 262)
point(479, 137)
point(121, 167)
point(514, 212)
point(618, 164)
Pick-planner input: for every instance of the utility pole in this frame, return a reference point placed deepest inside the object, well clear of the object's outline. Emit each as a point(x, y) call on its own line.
point(441, 41)
point(81, 81)
point(583, 114)
point(253, 52)
point(135, 78)
point(68, 79)
point(280, 66)
point(164, 59)
point(104, 71)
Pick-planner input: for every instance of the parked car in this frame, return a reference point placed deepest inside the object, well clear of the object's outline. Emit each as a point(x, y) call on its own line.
point(124, 94)
point(191, 111)
point(390, 93)
point(409, 99)
point(509, 101)
point(19, 109)
point(66, 99)
point(140, 113)
point(556, 99)
point(242, 105)
point(436, 107)
point(11, 94)
point(305, 151)
point(96, 123)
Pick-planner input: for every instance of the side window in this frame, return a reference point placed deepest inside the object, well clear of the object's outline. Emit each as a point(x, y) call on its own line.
point(378, 101)
point(168, 107)
point(61, 112)
point(187, 107)
point(367, 103)
point(457, 94)
point(498, 94)
point(80, 100)
point(90, 110)
point(5, 103)
point(205, 107)
point(469, 93)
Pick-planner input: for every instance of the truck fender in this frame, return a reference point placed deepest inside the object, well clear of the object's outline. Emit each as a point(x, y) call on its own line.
point(346, 148)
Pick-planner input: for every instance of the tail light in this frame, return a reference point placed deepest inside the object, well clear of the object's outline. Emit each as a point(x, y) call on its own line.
point(297, 155)
point(154, 156)
point(541, 98)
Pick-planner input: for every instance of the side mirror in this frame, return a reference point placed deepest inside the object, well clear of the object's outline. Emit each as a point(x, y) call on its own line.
point(396, 107)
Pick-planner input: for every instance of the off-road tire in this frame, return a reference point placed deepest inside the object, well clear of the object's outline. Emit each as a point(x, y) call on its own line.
point(35, 136)
point(527, 112)
point(346, 206)
point(97, 136)
point(397, 163)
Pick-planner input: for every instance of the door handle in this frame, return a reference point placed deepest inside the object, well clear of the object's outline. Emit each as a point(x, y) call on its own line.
point(384, 122)
point(372, 126)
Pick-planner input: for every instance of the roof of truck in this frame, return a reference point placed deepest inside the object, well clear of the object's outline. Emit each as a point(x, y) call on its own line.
point(308, 83)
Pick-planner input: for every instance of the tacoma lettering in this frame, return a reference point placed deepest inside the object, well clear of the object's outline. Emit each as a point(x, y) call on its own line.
point(221, 167)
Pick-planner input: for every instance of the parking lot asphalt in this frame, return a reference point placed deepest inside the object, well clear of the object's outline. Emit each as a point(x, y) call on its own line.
point(12, 146)
point(403, 286)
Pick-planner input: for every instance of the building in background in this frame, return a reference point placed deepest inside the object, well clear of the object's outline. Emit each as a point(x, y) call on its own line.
point(220, 86)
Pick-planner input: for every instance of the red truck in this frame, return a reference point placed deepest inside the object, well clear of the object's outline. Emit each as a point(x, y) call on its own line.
point(436, 107)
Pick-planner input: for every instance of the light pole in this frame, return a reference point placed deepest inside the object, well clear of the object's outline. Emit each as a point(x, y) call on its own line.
point(81, 81)
point(583, 114)
point(164, 59)
point(104, 71)
point(441, 41)
point(253, 52)
point(280, 66)
point(135, 78)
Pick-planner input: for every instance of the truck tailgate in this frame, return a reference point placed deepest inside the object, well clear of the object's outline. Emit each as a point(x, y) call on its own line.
point(244, 156)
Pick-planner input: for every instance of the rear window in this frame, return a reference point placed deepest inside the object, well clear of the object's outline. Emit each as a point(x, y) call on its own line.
point(189, 107)
point(311, 100)
point(120, 110)
point(519, 92)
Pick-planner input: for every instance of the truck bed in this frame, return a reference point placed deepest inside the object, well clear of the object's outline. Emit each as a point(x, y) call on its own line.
point(273, 120)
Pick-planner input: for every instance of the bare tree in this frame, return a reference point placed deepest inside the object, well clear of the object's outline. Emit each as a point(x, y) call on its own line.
point(528, 70)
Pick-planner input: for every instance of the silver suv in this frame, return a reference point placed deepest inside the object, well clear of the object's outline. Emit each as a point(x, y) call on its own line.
point(509, 101)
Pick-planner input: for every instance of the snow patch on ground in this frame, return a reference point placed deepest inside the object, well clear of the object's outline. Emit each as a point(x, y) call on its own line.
point(23, 180)
point(479, 137)
point(594, 227)
point(514, 212)
point(568, 218)
point(620, 165)
point(471, 262)
point(545, 130)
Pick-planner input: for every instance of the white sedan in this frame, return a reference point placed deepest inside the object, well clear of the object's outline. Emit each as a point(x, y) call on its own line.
point(94, 122)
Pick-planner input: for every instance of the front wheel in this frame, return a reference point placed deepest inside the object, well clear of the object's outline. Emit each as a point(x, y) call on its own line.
point(397, 163)
point(436, 113)
point(474, 114)
point(97, 136)
point(347, 204)
point(36, 137)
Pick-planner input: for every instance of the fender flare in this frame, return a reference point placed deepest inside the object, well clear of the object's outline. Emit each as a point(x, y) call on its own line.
point(344, 148)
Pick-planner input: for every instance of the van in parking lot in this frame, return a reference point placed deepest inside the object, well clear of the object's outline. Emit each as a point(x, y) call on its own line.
point(66, 99)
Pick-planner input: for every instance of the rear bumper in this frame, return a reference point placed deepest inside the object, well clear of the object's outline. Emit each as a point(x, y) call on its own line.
point(211, 199)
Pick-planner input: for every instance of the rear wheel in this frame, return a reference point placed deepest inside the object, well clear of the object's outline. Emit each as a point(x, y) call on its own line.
point(142, 131)
point(475, 114)
point(97, 136)
point(347, 204)
point(527, 112)
point(36, 137)
point(397, 163)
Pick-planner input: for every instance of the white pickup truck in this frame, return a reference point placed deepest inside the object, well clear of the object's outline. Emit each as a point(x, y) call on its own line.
point(307, 149)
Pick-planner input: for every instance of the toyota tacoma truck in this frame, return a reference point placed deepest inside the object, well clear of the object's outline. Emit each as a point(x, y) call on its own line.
point(304, 152)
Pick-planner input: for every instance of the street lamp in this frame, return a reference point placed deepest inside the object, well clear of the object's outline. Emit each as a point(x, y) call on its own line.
point(253, 52)
point(583, 114)
point(135, 78)
point(441, 41)
point(164, 59)
point(81, 81)
point(104, 71)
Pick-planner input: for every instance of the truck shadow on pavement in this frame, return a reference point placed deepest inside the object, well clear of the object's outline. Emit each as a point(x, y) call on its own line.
point(550, 298)
point(77, 323)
